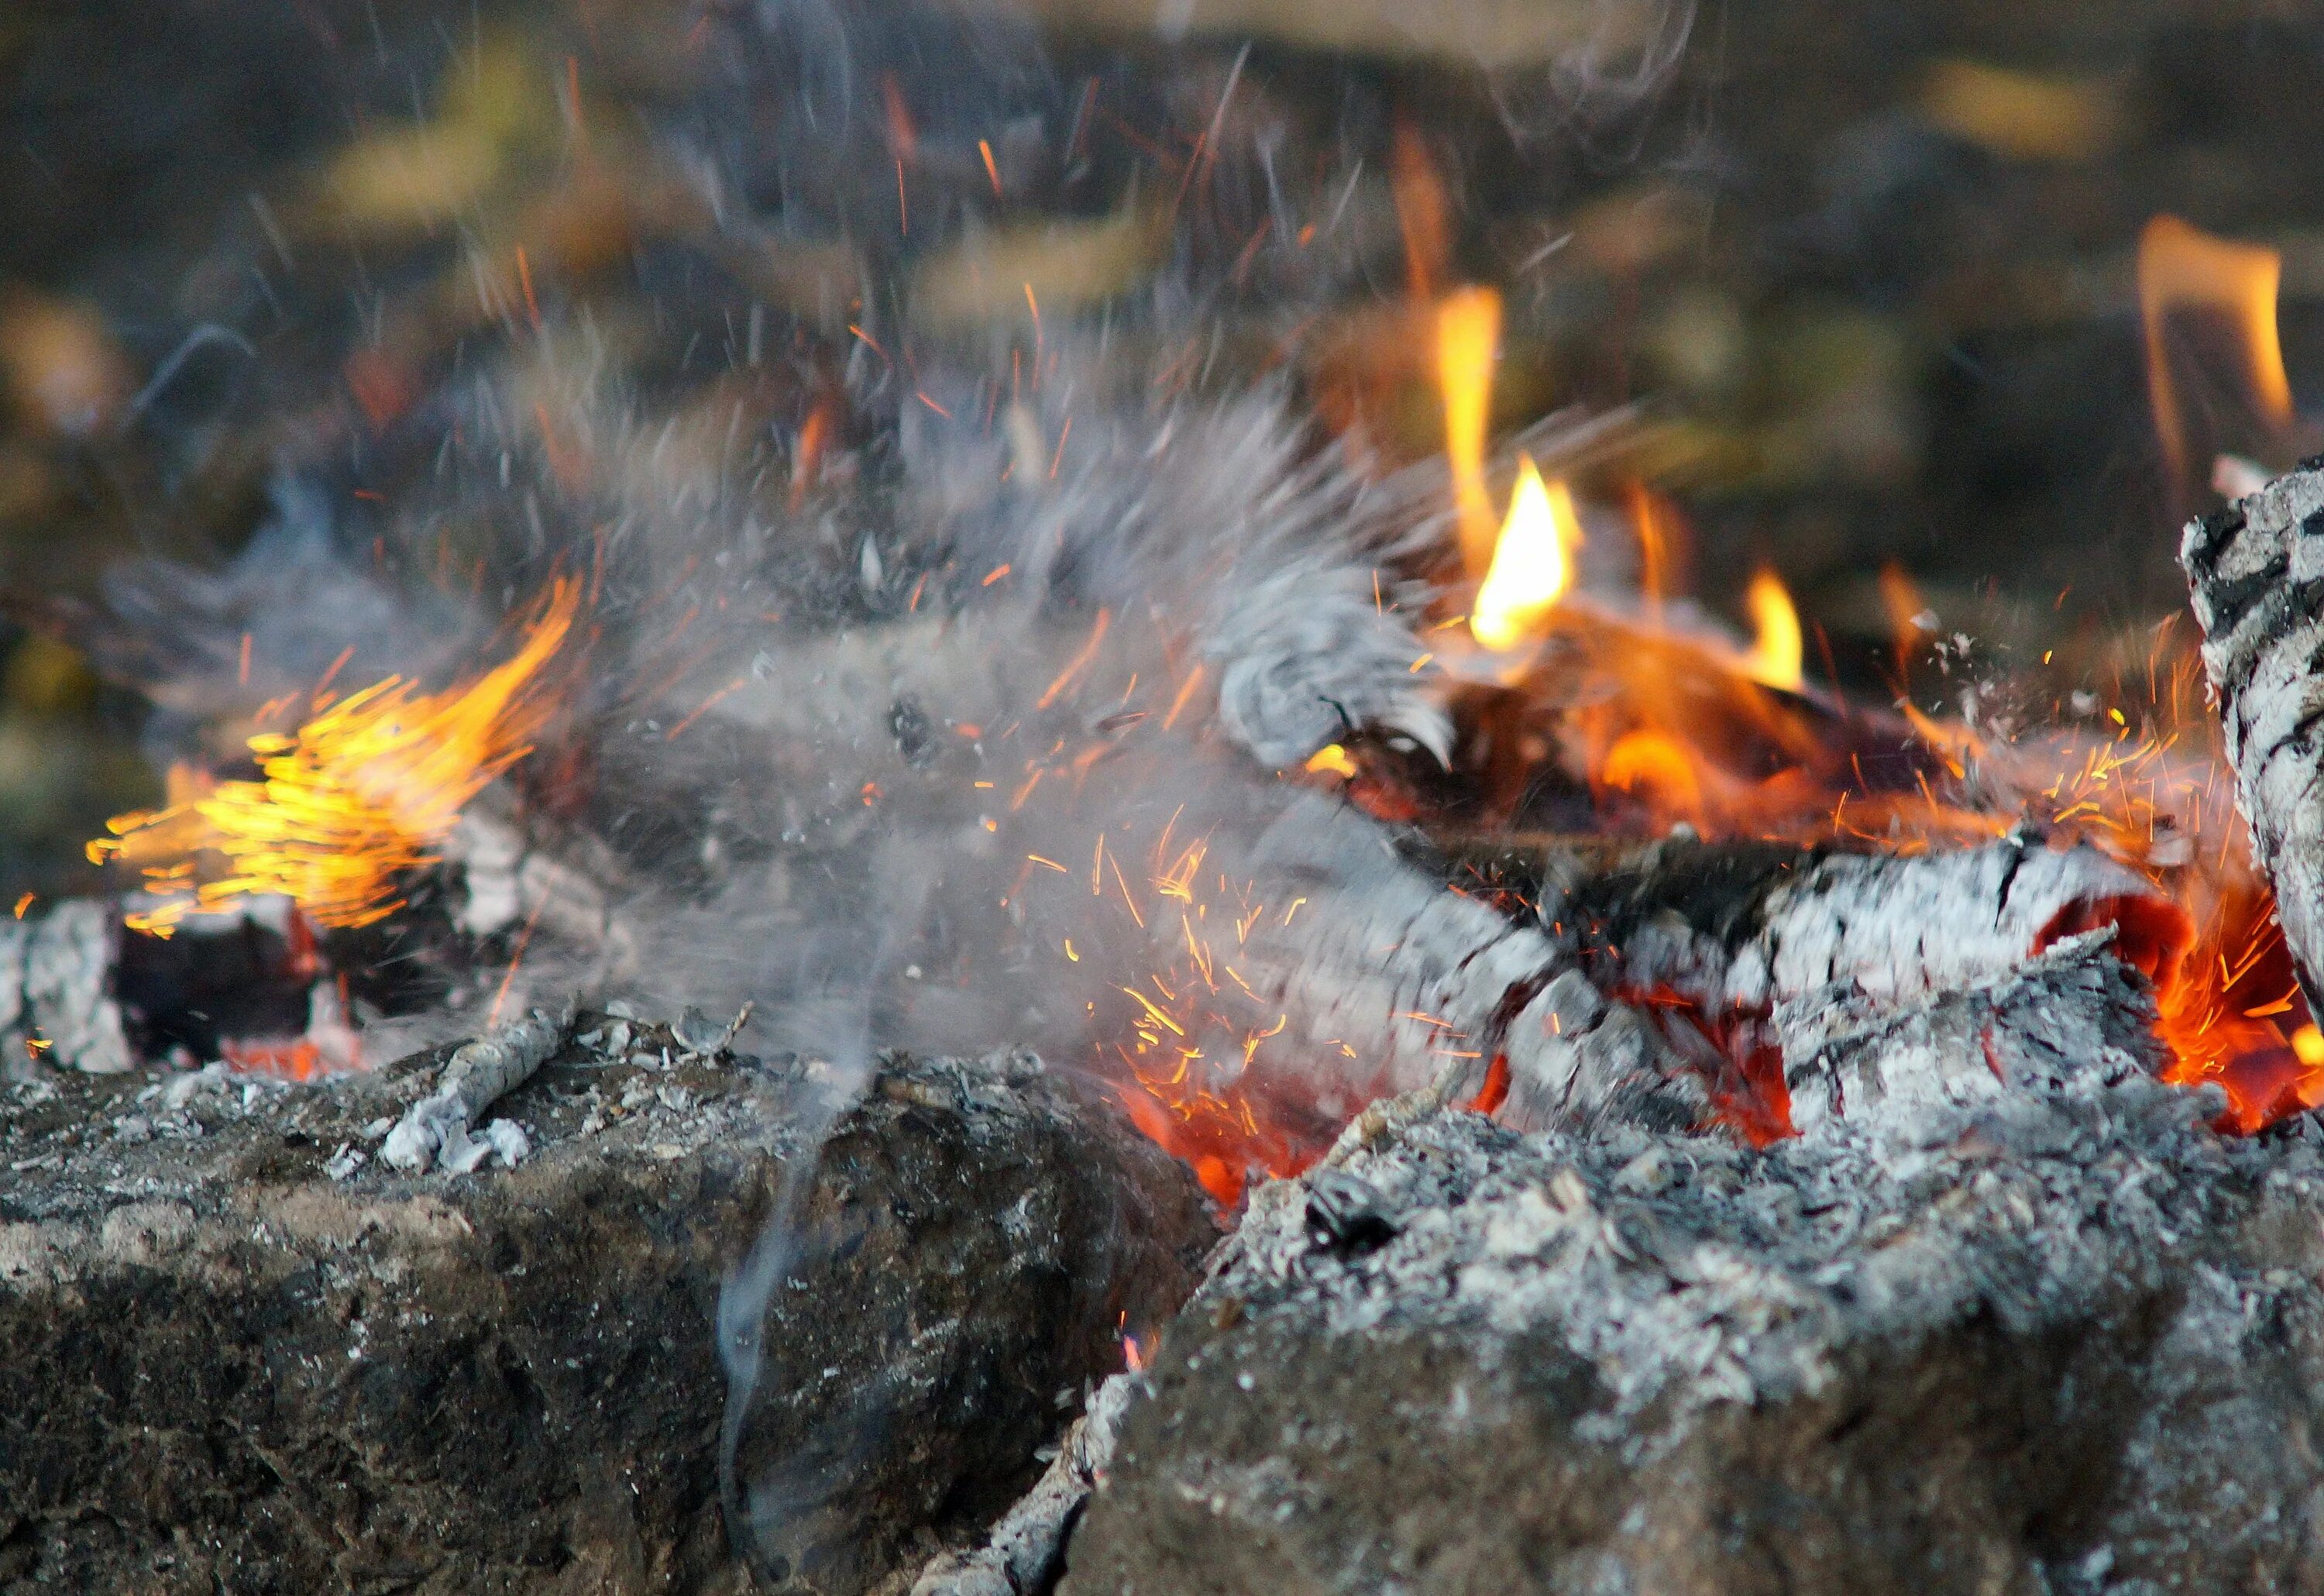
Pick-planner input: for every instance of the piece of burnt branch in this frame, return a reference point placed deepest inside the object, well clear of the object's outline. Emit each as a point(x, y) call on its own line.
point(2256, 571)
point(480, 1072)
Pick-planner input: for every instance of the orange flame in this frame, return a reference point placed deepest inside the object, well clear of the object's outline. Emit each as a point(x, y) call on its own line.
point(1530, 568)
point(2181, 265)
point(1775, 660)
point(356, 796)
point(1468, 329)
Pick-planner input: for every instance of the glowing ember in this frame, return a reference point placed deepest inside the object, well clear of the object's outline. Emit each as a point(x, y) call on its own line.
point(2180, 266)
point(1467, 328)
point(1530, 568)
point(1775, 655)
point(353, 799)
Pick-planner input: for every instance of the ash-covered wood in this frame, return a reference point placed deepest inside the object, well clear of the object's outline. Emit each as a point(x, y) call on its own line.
point(2052, 1337)
point(479, 1073)
point(2256, 570)
point(1757, 924)
point(1411, 976)
point(1819, 946)
point(241, 1355)
point(56, 988)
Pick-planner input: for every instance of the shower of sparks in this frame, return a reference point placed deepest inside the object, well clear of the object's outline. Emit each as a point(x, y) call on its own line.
point(349, 802)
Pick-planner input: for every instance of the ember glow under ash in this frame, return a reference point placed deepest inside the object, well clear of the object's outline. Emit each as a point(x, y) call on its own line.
point(348, 803)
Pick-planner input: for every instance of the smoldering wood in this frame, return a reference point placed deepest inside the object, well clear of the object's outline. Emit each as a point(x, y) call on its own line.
point(241, 1352)
point(1412, 977)
point(2038, 1335)
point(2255, 572)
point(1794, 935)
point(569, 887)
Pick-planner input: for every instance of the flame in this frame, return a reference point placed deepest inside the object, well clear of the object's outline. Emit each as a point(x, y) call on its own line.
point(358, 795)
point(1420, 208)
point(2181, 265)
point(1905, 610)
point(1775, 658)
point(1529, 567)
point(1468, 329)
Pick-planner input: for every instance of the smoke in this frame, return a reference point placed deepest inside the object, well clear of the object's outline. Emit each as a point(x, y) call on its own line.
point(944, 693)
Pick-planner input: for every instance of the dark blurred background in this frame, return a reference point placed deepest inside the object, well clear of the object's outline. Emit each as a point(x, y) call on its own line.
point(1868, 270)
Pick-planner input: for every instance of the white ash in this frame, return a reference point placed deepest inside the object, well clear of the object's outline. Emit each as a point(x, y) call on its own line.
point(436, 1129)
point(1722, 1275)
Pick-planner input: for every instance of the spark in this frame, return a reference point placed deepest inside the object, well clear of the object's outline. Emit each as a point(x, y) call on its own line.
point(1078, 663)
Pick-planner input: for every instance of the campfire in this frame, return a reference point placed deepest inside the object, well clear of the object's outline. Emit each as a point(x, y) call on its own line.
point(952, 829)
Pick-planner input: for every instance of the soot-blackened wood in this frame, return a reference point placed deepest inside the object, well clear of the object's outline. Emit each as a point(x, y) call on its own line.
point(2256, 571)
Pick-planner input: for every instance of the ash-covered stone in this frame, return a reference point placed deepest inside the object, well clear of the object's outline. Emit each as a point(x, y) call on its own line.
point(243, 1353)
point(2060, 1337)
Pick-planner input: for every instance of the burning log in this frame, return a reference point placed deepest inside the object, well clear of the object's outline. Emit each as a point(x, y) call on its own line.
point(2257, 572)
point(2029, 1343)
point(1758, 925)
point(1678, 969)
point(283, 1361)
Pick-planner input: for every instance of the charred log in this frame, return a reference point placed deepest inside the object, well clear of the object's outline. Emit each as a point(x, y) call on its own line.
point(283, 1366)
point(2257, 573)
